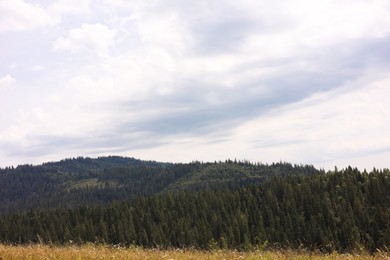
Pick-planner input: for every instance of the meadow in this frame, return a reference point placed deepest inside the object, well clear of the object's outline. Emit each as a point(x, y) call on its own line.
point(92, 251)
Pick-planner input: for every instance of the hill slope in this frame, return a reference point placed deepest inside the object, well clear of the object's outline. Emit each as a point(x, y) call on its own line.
point(85, 181)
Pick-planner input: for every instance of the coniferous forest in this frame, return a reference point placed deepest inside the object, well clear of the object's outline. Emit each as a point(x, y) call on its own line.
point(236, 205)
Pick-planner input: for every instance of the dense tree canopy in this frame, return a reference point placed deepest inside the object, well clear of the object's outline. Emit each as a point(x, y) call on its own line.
point(344, 210)
point(85, 181)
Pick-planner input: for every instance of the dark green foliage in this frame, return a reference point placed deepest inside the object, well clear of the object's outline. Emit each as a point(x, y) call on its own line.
point(342, 211)
point(85, 181)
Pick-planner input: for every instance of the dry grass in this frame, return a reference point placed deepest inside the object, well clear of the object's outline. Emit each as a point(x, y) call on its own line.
point(108, 252)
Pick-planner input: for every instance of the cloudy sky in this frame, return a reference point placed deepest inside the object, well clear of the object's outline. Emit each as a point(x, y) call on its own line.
point(295, 80)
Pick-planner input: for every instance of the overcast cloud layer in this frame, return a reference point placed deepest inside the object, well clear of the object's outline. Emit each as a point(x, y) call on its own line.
point(294, 80)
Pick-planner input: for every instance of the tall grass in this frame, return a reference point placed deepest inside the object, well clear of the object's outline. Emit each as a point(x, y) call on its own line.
point(112, 252)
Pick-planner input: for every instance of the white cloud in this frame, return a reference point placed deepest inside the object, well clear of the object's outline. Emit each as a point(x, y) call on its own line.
point(21, 15)
point(165, 31)
point(6, 82)
point(95, 38)
point(62, 7)
point(18, 15)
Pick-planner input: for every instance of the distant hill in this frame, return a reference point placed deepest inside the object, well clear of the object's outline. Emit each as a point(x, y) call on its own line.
point(99, 181)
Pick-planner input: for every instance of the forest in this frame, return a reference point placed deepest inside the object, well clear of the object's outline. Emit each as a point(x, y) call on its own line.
point(227, 205)
point(86, 181)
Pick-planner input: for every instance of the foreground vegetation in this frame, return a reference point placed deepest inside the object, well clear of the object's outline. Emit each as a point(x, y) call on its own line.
point(109, 252)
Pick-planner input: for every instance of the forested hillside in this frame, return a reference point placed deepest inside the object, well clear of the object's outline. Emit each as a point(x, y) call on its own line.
point(344, 211)
point(85, 181)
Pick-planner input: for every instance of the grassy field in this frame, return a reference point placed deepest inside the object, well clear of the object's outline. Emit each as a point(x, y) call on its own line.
point(107, 252)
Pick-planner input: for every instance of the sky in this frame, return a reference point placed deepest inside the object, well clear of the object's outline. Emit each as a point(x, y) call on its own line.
point(301, 81)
